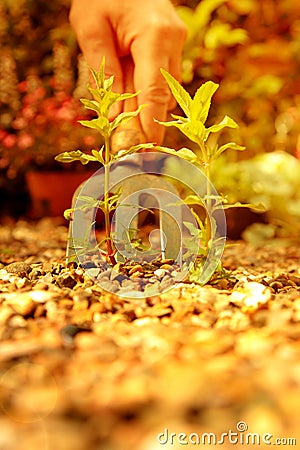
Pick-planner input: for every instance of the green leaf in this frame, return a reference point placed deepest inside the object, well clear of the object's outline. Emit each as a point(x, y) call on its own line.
point(133, 149)
point(107, 84)
point(127, 95)
point(125, 116)
point(194, 131)
point(108, 100)
point(259, 207)
point(97, 94)
point(75, 155)
point(181, 95)
point(231, 145)
point(226, 122)
point(202, 100)
point(187, 154)
point(98, 155)
point(194, 200)
point(194, 231)
point(68, 213)
point(95, 74)
point(91, 104)
point(100, 124)
point(169, 151)
point(184, 153)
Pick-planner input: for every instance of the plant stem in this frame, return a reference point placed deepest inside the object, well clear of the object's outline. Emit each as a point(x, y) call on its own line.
point(110, 251)
point(206, 164)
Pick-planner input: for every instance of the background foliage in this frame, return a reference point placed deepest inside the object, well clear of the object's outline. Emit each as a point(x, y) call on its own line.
point(251, 48)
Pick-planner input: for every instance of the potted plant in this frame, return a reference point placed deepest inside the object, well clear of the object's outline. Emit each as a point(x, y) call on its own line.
point(39, 122)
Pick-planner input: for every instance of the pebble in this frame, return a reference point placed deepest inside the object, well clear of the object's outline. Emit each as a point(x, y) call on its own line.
point(159, 273)
point(22, 282)
point(66, 280)
point(22, 303)
point(68, 333)
point(20, 268)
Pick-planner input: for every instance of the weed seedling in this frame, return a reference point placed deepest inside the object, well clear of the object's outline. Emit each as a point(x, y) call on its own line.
point(103, 98)
point(196, 111)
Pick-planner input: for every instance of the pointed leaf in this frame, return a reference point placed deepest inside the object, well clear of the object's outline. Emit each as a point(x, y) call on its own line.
point(97, 94)
point(91, 104)
point(100, 124)
point(226, 122)
point(98, 154)
point(75, 155)
point(108, 100)
point(187, 154)
point(194, 200)
point(108, 83)
point(259, 207)
point(169, 151)
point(231, 145)
point(133, 149)
point(124, 116)
point(185, 128)
point(202, 100)
point(181, 95)
point(95, 74)
point(127, 95)
point(68, 213)
point(180, 118)
point(101, 73)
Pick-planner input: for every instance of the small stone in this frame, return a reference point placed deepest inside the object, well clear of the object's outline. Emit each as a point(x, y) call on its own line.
point(159, 273)
point(35, 274)
point(21, 282)
point(17, 321)
point(41, 296)
point(167, 261)
point(68, 333)
point(136, 269)
point(20, 268)
point(93, 272)
point(110, 286)
point(66, 280)
point(137, 274)
point(22, 303)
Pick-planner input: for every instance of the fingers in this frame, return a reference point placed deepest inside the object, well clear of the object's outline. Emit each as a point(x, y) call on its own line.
point(151, 33)
point(96, 39)
point(158, 49)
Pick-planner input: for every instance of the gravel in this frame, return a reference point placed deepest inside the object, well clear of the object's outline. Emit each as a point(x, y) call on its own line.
point(83, 368)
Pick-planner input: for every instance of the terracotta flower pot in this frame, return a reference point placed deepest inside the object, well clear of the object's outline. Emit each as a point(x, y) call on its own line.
point(51, 192)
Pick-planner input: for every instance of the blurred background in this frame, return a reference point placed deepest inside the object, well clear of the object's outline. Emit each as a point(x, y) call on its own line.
point(251, 48)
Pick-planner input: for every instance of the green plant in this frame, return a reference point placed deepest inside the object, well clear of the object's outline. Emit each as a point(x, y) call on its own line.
point(103, 98)
point(196, 110)
point(193, 127)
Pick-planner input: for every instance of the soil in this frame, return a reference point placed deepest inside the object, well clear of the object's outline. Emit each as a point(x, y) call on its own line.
point(83, 369)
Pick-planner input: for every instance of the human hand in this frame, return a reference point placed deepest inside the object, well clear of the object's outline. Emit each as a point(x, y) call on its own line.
point(150, 33)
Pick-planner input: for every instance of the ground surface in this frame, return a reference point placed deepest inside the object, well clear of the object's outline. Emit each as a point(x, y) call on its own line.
point(85, 370)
